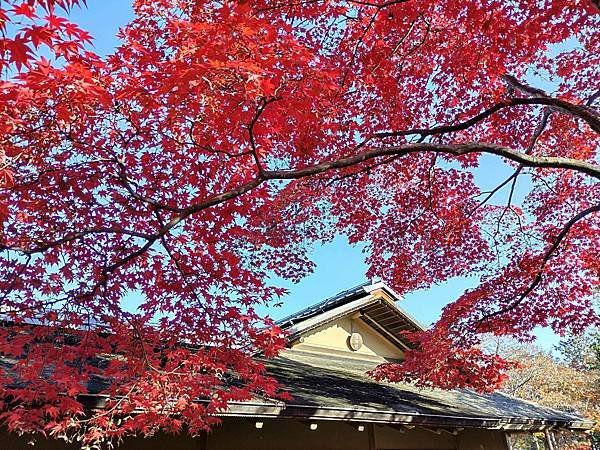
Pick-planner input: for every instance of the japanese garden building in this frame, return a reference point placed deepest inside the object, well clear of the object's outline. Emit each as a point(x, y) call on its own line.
point(336, 405)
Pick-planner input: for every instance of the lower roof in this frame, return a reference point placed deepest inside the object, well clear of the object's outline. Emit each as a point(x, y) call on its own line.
point(338, 389)
point(334, 388)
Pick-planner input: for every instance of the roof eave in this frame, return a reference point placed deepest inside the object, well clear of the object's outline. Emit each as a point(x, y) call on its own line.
point(281, 410)
point(292, 411)
point(395, 299)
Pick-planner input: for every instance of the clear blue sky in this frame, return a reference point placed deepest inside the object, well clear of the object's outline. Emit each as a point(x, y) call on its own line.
point(339, 266)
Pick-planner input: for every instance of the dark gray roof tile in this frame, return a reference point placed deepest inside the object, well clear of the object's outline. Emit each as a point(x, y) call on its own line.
point(332, 382)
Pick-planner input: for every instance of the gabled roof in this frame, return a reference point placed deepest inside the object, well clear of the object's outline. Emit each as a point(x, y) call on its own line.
point(375, 304)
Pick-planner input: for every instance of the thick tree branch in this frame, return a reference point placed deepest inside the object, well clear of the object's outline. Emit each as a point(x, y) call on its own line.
point(587, 114)
point(341, 163)
point(554, 162)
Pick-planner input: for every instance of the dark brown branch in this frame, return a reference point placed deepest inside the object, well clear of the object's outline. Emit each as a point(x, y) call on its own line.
point(584, 113)
point(494, 191)
point(515, 85)
point(450, 149)
point(73, 237)
point(592, 98)
point(456, 150)
point(355, 2)
point(366, 169)
point(253, 146)
point(534, 138)
point(524, 159)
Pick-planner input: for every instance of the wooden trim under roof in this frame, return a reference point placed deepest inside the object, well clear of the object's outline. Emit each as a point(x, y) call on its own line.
point(270, 410)
point(281, 410)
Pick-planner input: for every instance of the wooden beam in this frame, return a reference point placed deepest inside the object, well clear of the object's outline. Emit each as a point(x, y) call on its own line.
point(371, 430)
point(385, 332)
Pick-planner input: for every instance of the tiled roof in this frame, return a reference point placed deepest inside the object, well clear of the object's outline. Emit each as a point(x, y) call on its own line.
point(340, 387)
point(325, 305)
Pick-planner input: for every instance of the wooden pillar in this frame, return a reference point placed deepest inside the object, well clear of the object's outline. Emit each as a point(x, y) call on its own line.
point(371, 431)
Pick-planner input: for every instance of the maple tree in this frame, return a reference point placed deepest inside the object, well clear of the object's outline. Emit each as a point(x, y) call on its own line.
point(221, 139)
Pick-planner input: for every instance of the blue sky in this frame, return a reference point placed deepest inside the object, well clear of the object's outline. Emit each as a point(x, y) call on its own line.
point(339, 266)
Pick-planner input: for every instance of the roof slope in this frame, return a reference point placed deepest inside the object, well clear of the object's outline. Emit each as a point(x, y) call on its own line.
point(326, 388)
point(339, 388)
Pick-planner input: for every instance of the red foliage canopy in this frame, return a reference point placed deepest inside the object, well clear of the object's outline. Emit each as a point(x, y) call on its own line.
point(222, 138)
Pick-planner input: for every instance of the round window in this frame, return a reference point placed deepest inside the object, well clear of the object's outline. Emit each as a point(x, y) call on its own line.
point(355, 341)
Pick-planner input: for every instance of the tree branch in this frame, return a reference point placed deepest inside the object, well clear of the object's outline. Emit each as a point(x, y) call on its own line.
point(539, 275)
point(554, 162)
point(587, 114)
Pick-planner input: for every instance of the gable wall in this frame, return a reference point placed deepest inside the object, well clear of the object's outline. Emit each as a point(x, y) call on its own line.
point(334, 337)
